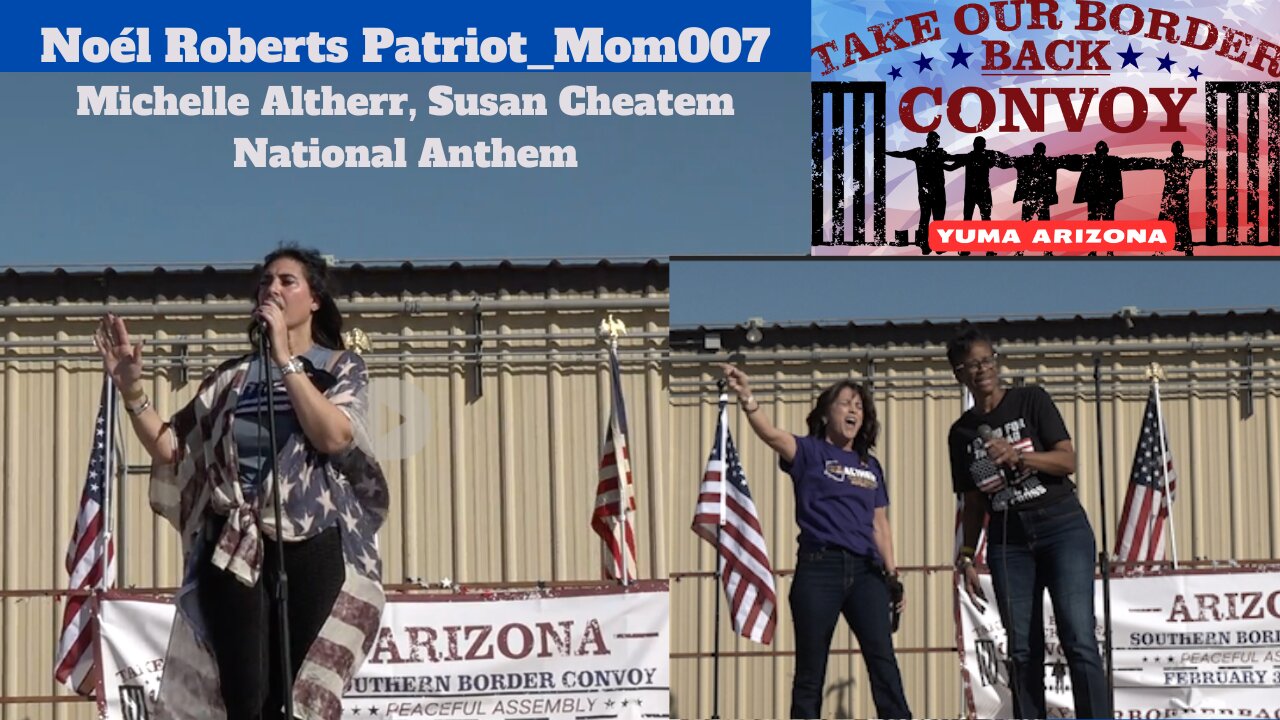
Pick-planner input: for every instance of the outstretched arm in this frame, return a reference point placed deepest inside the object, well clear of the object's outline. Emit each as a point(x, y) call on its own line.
point(782, 442)
point(897, 153)
point(1069, 162)
point(1140, 163)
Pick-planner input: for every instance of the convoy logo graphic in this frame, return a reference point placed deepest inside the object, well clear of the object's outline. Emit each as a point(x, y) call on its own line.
point(1158, 126)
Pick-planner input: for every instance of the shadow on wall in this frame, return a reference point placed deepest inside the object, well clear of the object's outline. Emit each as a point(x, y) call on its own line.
point(841, 690)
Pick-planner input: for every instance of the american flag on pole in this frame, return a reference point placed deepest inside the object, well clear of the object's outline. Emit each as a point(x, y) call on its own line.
point(1145, 517)
point(90, 542)
point(726, 517)
point(615, 491)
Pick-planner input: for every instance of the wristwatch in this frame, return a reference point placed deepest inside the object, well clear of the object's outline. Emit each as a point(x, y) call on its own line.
point(293, 366)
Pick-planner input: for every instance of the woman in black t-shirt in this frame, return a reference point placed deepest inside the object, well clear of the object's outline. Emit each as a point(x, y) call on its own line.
point(1011, 458)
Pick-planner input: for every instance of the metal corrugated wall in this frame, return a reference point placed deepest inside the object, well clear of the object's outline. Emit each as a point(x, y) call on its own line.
point(1228, 492)
point(490, 487)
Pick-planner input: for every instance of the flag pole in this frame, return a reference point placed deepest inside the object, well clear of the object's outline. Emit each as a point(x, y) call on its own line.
point(109, 431)
point(1155, 372)
point(609, 331)
point(723, 423)
point(624, 465)
point(1104, 556)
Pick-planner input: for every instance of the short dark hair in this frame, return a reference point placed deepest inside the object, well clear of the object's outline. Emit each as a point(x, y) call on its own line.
point(866, 437)
point(326, 323)
point(965, 338)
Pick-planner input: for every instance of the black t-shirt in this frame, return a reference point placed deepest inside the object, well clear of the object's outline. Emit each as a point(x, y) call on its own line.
point(1027, 418)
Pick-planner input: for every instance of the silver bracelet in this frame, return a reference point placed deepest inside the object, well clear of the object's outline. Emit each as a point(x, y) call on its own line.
point(137, 410)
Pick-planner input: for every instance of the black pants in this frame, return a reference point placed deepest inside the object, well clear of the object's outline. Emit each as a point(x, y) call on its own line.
point(827, 583)
point(979, 200)
point(932, 204)
point(243, 622)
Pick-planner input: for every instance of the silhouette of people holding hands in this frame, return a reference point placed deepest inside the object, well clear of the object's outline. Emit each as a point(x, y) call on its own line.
point(1037, 187)
point(1175, 203)
point(1100, 186)
point(930, 179)
point(977, 176)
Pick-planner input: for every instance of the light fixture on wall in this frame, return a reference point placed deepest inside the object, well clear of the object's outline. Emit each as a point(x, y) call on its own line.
point(754, 333)
point(1127, 313)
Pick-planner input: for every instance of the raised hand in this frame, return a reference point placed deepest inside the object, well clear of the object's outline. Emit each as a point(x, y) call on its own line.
point(738, 381)
point(121, 359)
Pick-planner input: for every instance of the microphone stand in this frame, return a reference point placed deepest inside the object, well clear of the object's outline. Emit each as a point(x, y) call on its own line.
point(282, 578)
point(1104, 558)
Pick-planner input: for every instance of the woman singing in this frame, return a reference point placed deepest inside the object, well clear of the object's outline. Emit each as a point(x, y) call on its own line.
point(1011, 457)
point(211, 477)
point(845, 562)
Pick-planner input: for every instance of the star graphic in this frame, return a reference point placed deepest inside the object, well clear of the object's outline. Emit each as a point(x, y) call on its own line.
point(895, 73)
point(1129, 57)
point(923, 63)
point(355, 711)
point(1195, 73)
point(875, 7)
point(625, 703)
point(1166, 64)
point(816, 27)
point(959, 57)
point(608, 703)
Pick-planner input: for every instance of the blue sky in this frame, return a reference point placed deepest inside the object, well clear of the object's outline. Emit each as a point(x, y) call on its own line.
point(717, 292)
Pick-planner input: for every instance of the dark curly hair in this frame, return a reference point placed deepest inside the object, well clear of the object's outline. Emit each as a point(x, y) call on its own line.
point(965, 338)
point(817, 420)
point(326, 323)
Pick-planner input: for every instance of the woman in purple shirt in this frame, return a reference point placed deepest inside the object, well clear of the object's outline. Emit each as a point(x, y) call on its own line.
point(845, 564)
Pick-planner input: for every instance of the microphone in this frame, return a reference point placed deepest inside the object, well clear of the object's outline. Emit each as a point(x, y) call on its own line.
point(264, 330)
point(896, 592)
point(1010, 475)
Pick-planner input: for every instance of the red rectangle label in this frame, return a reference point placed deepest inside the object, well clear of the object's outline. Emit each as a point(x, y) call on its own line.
point(1060, 237)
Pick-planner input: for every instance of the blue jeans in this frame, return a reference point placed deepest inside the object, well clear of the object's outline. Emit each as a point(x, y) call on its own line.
point(827, 583)
point(1031, 551)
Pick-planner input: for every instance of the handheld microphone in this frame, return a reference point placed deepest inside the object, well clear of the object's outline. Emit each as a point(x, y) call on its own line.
point(1010, 475)
point(896, 593)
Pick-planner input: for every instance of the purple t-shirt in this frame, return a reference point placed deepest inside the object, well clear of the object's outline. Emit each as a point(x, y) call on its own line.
point(837, 493)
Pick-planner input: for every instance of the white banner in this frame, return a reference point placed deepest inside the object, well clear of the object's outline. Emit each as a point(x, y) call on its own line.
point(1202, 644)
point(569, 654)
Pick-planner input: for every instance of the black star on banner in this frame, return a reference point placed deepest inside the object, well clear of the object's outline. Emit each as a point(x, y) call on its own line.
point(1166, 64)
point(1195, 73)
point(923, 63)
point(959, 57)
point(895, 73)
point(1130, 57)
